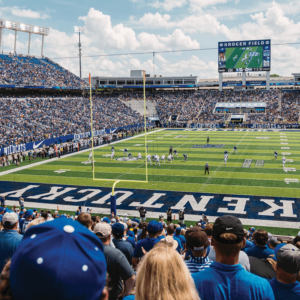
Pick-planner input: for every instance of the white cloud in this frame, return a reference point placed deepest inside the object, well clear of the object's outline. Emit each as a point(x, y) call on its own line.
point(156, 20)
point(178, 39)
point(168, 4)
point(27, 13)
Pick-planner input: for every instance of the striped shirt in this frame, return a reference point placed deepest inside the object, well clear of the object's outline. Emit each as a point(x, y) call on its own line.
point(197, 264)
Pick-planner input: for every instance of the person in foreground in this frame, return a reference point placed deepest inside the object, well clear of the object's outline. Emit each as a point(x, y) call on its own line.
point(162, 274)
point(226, 279)
point(287, 268)
point(60, 259)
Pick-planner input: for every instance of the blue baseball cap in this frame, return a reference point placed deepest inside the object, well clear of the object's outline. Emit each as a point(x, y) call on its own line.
point(153, 226)
point(61, 254)
point(161, 227)
point(118, 229)
point(178, 229)
point(106, 219)
point(34, 209)
point(1, 208)
point(130, 233)
point(28, 213)
point(21, 213)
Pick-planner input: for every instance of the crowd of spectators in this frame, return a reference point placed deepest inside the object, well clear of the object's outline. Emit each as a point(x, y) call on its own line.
point(117, 257)
point(32, 71)
point(24, 120)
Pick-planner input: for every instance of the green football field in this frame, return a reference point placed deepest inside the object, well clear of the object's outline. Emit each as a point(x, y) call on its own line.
point(235, 55)
point(266, 179)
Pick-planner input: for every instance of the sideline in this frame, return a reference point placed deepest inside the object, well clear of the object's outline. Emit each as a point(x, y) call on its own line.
point(72, 154)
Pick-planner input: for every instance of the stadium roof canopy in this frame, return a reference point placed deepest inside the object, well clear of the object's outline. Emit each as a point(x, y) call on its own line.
point(240, 104)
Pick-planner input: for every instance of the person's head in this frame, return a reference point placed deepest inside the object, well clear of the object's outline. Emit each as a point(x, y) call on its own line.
point(144, 227)
point(175, 284)
point(118, 230)
point(178, 230)
point(152, 228)
point(85, 219)
point(197, 241)
point(28, 214)
point(1, 210)
point(260, 237)
point(62, 254)
point(10, 221)
point(45, 215)
point(273, 242)
point(209, 230)
point(106, 220)
point(103, 231)
point(288, 263)
point(170, 229)
point(35, 222)
point(228, 237)
point(160, 229)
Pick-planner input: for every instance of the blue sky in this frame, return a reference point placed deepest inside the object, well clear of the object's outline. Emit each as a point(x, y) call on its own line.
point(127, 26)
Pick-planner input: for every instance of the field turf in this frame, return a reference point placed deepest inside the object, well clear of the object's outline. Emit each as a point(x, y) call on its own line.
point(268, 180)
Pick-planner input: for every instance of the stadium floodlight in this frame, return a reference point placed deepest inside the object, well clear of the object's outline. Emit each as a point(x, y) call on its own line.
point(79, 29)
point(11, 25)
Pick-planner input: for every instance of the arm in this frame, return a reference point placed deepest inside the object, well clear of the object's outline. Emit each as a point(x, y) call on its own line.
point(129, 285)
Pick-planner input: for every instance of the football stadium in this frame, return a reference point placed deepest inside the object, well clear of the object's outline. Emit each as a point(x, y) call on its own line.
point(157, 187)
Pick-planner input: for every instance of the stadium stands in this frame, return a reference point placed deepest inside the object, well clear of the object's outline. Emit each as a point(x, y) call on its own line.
point(32, 71)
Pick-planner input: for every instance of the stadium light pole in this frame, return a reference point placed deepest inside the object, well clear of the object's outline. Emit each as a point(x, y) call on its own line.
point(79, 29)
point(16, 26)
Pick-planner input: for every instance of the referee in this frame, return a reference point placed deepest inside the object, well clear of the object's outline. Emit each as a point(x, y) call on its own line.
point(171, 150)
point(207, 140)
point(206, 168)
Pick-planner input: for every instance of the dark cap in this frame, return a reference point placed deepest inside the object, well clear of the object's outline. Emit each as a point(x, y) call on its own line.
point(196, 239)
point(118, 229)
point(228, 224)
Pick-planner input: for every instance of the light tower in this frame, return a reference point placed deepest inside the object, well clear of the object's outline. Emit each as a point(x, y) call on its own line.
point(79, 29)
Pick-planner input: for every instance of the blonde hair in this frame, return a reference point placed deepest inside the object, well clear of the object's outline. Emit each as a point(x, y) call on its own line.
point(35, 222)
point(163, 275)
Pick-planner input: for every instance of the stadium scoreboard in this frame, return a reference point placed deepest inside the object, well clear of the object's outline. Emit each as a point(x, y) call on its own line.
point(249, 56)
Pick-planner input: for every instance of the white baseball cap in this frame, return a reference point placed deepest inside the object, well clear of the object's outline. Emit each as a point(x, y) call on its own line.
point(10, 218)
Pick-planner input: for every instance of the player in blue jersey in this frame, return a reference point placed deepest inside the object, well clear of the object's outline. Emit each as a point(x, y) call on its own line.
point(185, 157)
point(125, 151)
point(175, 153)
point(275, 154)
point(235, 149)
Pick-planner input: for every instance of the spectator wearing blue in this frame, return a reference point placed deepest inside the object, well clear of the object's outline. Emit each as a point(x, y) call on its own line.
point(248, 243)
point(129, 236)
point(147, 243)
point(226, 278)
point(260, 249)
point(180, 236)
point(170, 231)
point(28, 216)
point(197, 242)
point(273, 242)
point(125, 247)
point(1, 212)
point(61, 254)
point(136, 219)
point(287, 268)
point(106, 220)
point(118, 268)
point(9, 237)
point(161, 235)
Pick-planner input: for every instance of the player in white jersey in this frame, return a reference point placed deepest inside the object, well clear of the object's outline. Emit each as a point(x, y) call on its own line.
point(157, 160)
point(163, 158)
point(170, 158)
point(283, 161)
point(149, 159)
point(90, 156)
point(225, 158)
point(112, 155)
point(139, 157)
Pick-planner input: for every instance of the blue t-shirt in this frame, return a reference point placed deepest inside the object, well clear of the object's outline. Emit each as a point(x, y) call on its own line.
point(147, 243)
point(131, 240)
point(9, 241)
point(180, 247)
point(130, 297)
point(125, 248)
point(248, 245)
point(227, 282)
point(181, 237)
point(285, 291)
point(260, 252)
point(23, 225)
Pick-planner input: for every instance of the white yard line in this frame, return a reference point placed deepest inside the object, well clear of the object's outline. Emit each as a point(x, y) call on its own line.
point(71, 154)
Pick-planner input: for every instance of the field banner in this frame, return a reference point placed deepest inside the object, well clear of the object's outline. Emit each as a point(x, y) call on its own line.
point(245, 56)
point(252, 210)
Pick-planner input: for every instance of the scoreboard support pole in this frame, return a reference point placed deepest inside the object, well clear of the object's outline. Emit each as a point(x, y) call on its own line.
point(220, 82)
point(244, 81)
point(267, 80)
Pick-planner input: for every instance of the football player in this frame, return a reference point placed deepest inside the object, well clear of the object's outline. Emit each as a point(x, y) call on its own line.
point(163, 158)
point(283, 161)
point(175, 153)
point(185, 157)
point(170, 158)
point(149, 159)
point(112, 155)
point(125, 151)
point(139, 157)
point(225, 159)
point(129, 155)
point(235, 149)
point(275, 154)
point(157, 160)
point(90, 157)
point(112, 148)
